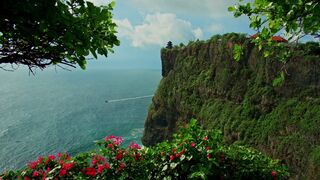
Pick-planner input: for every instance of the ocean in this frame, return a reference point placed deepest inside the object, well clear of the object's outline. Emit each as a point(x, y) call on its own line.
point(67, 111)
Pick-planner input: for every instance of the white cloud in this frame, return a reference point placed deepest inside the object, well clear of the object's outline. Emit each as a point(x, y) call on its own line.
point(158, 29)
point(213, 8)
point(198, 33)
point(100, 2)
point(215, 28)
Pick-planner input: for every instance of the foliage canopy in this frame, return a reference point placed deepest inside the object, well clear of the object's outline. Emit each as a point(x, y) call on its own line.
point(295, 19)
point(39, 33)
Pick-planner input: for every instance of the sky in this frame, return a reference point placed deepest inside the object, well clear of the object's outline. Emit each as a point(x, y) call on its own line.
point(145, 26)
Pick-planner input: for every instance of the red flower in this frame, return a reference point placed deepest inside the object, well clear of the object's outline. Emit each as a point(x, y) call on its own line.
point(121, 165)
point(51, 157)
point(208, 148)
point(222, 157)
point(171, 157)
point(97, 159)
point(94, 161)
point(100, 168)
point(90, 171)
point(62, 172)
point(32, 165)
point(193, 144)
point(67, 156)
point(48, 170)
point(40, 159)
point(68, 166)
point(59, 154)
point(110, 145)
point(134, 146)
point(274, 174)
point(119, 155)
point(107, 166)
point(35, 174)
point(208, 156)
point(26, 178)
point(138, 156)
point(206, 138)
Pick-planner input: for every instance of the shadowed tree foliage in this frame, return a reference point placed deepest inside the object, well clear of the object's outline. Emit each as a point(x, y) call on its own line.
point(169, 45)
point(39, 33)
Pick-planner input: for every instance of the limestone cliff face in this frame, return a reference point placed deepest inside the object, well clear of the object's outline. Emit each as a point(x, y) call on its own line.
point(203, 81)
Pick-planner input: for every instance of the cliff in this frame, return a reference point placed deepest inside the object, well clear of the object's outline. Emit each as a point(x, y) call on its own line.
point(203, 81)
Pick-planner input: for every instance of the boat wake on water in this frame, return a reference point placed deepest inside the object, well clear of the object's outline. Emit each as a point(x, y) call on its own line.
point(128, 99)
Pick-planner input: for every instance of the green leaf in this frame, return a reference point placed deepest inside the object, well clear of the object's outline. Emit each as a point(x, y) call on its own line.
point(165, 168)
point(112, 4)
point(93, 52)
point(182, 157)
point(231, 8)
point(278, 81)
point(173, 165)
point(237, 52)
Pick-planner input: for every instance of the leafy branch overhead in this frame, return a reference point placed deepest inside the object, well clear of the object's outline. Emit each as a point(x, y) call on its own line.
point(295, 19)
point(39, 33)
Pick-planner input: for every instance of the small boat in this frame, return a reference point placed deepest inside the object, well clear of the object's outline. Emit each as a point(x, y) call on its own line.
point(106, 101)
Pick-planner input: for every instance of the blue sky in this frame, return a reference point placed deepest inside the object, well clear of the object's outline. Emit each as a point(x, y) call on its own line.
point(144, 26)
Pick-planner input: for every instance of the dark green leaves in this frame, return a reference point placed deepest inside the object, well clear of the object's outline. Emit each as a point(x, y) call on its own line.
point(64, 35)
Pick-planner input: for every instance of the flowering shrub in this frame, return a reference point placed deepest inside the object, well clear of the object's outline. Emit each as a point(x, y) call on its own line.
point(194, 153)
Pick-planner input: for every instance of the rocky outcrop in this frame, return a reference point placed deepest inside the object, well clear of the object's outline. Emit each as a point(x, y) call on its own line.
point(203, 81)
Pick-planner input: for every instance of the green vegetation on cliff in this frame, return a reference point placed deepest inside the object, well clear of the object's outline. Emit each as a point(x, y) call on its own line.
point(203, 81)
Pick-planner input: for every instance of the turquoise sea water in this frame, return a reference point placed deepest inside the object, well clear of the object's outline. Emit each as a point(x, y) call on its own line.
point(66, 111)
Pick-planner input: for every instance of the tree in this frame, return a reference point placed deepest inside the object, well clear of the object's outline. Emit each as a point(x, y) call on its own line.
point(169, 45)
point(296, 19)
point(39, 33)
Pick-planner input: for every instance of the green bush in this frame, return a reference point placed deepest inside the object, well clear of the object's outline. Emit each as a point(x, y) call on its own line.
point(194, 153)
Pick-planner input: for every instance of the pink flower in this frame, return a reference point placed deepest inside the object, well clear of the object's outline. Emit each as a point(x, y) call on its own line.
point(59, 154)
point(134, 146)
point(35, 174)
point(171, 157)
point(193, 144)
point(114, 139)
